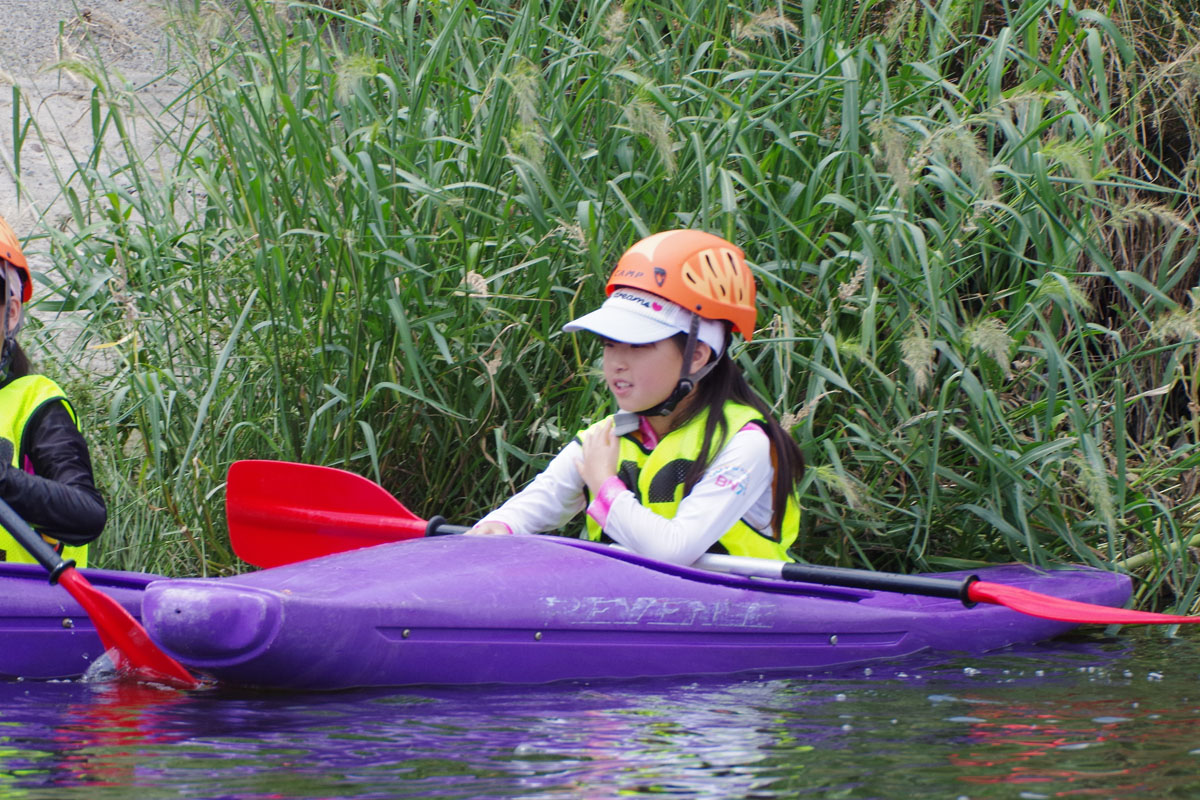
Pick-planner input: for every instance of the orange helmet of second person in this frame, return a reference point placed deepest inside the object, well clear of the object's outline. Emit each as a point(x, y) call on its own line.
point(10, 251)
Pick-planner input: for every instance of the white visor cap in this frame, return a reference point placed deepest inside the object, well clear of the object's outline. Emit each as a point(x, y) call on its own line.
point(636, 317)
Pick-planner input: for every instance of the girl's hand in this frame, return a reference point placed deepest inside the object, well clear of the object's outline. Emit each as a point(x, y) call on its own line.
point(489, 529)
point(601, 450)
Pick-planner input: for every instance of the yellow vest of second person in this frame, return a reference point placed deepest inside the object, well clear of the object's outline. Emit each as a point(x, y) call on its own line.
point(657, 477)
point(19, 400)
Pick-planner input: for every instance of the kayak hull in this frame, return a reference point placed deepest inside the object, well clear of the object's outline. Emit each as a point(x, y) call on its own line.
point(534, 609)
point(44, 633)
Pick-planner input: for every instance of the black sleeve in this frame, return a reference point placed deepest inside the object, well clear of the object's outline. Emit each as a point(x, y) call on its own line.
point(61, 500)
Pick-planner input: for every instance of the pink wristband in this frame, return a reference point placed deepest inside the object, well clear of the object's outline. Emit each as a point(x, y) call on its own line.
point(599, 508)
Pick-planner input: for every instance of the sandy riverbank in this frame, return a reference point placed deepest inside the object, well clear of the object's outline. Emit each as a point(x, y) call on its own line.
point(126, 36)
point(37, 39)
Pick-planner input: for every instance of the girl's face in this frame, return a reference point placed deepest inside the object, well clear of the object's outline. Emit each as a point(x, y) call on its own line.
point(641, 376)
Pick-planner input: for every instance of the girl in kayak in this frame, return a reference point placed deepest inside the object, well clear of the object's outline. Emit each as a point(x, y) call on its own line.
point(693, 461)
point(45, 468)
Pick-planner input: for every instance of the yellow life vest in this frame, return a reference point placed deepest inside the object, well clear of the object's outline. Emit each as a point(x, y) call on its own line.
point(657, 477)
point(19, 400)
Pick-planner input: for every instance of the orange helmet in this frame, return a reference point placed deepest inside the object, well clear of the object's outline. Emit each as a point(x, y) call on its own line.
point(703, 273)
point(10, 251)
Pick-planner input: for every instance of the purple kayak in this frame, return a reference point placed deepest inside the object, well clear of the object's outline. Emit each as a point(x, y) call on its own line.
point(44, 633)
point(533, 609)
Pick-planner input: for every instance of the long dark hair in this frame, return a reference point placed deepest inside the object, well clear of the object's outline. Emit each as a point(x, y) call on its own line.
point(18, 364)
point(725, 383)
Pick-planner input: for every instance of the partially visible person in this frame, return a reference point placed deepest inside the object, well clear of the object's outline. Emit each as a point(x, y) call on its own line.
point(45, 468)
point(693, 461)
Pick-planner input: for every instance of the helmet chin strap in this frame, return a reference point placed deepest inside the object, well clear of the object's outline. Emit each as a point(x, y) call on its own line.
point(627, 421)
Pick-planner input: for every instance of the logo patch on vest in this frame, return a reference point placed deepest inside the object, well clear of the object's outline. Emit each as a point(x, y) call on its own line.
point(733, 479)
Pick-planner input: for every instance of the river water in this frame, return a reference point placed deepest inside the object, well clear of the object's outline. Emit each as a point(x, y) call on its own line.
point(1089, 716)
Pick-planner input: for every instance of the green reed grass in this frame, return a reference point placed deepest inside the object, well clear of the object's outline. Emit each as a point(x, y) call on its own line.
point(372, 219)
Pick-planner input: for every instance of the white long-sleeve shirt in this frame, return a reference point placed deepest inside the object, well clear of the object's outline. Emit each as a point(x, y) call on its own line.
point(736, 486)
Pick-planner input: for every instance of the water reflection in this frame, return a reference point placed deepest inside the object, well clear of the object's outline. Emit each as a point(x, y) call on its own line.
point(1100, 717)
point(1136, 740)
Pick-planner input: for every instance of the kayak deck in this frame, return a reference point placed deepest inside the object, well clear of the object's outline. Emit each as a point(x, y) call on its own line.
point(47, 635)
point(534, 609)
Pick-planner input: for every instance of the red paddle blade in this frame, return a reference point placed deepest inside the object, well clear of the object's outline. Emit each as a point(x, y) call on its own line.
point(126, 640)
point(1047, 607)
point(280, 512)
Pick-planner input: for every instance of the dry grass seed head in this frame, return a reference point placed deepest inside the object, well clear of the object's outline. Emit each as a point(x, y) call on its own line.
point(1139, 212)
point(1057, 286)
point(852, 286)
point(1179, 325)
point(892, 146)
point(526, 134)
point(990, 337)
point(646, 119)
point(763, 25)
point(615, 26)
point(849, 487)
point(350, 73)
point(790, 420)
point(477, 285)
point(917, 352)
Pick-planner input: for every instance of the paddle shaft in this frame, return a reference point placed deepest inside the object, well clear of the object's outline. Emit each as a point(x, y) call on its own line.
point(840, 576)
point(437, 526)
point(37, 547)
point(803, 573)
